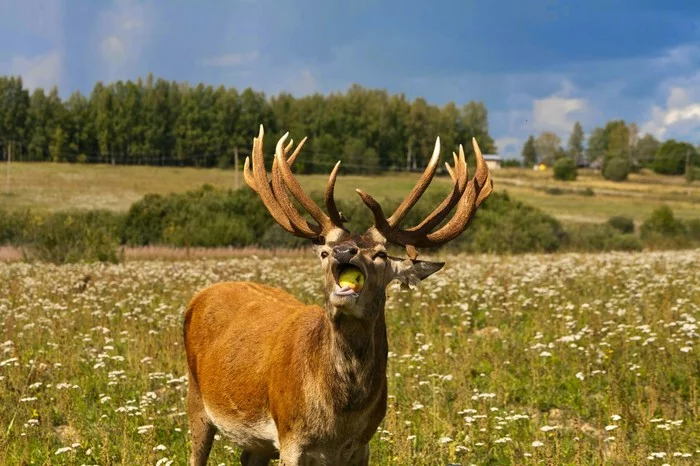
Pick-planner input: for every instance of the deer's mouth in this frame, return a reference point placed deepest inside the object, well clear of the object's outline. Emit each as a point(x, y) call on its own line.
point(349, 279)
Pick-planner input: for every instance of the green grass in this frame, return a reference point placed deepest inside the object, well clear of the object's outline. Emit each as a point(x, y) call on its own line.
point(484, 355)
point(47, 186)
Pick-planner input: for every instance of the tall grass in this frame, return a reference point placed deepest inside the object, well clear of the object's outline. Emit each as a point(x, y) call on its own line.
point(536, 359)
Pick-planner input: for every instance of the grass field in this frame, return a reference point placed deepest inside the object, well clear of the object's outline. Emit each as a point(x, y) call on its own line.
point(46, 186)
point(559, 359)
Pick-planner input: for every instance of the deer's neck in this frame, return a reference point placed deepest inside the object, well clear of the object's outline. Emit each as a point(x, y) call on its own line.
point(356, 367)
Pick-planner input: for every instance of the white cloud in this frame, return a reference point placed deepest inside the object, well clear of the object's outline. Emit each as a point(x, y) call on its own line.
point(113, 50)
point(231, 59)
point(303, 82)
point(508, 145)
point(680, 117)
point(41, 71)
point(558, 112)
point(122, 34)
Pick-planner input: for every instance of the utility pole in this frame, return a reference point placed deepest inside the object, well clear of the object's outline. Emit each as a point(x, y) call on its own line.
point(7, 174)
point(688, 168)
point(235, 166)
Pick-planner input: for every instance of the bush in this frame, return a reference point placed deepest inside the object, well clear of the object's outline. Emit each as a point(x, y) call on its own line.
point(671, 157)
point(625, 242)
point(503, 225)
point(599, 237)
point(205, 217)
point(692, 174)
point(616, 169)
point(15, 226)
point(66, 237)
point(692, 228)
point(662, 223)
point(511, 163)
point(622, 224)
point(554, 191)
point(565, 169)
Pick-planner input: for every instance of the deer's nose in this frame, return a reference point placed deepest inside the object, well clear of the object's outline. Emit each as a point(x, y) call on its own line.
point(344, 252)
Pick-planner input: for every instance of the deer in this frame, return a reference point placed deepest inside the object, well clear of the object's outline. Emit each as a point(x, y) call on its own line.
point(306, 384)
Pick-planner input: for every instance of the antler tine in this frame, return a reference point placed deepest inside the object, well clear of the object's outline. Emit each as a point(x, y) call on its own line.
point(467, 196)
point(418, 189)
point(482, 175)
point(477, 190)
point(330, 198)
point(257, 180)
point(439, 214)
point(297, 221)
point(450, 171)
point(295, 188)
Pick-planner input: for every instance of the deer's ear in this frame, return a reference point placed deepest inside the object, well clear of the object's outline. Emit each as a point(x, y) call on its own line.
point(411, 272)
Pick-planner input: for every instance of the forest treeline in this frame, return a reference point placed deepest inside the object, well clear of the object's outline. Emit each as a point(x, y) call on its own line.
point(159, 122)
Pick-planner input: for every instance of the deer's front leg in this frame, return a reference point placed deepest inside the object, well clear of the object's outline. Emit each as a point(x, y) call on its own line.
point(290, 454)
point(360, 456)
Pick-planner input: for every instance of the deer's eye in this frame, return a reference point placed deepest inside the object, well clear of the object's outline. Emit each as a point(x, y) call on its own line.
point(324, 254)
point(381, 255)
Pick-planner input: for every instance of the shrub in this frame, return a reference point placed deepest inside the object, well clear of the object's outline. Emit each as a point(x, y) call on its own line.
point(671, 157)
point(588, 192)
point(511, 163)
point(203, 217)
point(599, 237)
point(503, 225)
point(692, 228)
point(15, 226)
point(622, 224)
point(616, 169)
point(625, 242)
point(692, 174)
point(565, 169)
point(662, 223)
point(65, 237)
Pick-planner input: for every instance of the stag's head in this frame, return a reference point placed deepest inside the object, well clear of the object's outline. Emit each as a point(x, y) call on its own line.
point(339, 250)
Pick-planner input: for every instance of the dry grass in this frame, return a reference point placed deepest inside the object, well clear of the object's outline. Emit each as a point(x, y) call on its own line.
point(47, 186)
point(166, 253)
point(10, 254)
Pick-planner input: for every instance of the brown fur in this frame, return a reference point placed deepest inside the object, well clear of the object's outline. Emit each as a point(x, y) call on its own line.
point(255, 351)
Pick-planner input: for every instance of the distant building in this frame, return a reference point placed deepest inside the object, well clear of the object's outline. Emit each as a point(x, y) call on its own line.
point(493, 161)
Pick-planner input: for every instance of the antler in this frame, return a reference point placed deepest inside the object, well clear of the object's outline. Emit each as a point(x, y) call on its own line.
point(467, 196)
point(273, 193)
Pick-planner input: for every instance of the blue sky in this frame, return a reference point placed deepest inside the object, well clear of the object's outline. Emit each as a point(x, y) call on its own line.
point(536, 64)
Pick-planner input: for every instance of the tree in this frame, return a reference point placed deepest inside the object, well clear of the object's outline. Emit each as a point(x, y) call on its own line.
point(616, 169)
point(565, 169)
point(529, 152)
point(617, 139)
point(14, 107)
point(58, 145)
point(597, 145)
point(575, 145)
point(476, 124)
point(647, 147)
point(672, 156)
point(547, 145)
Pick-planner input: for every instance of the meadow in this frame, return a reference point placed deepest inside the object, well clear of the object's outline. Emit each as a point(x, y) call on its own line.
point(62, 186)
point(567, 359)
